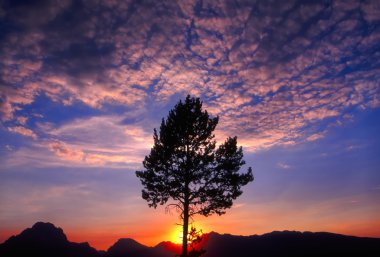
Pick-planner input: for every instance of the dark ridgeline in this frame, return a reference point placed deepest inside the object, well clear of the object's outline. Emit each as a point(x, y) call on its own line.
point(126, 247)
point(129, 247)
point(46, 240)
point(291, 244)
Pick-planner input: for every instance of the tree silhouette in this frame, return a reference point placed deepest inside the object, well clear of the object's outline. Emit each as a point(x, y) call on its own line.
point(194, 238)
point(185, 167)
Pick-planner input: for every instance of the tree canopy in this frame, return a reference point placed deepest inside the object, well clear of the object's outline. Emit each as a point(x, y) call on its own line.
point(187, 171)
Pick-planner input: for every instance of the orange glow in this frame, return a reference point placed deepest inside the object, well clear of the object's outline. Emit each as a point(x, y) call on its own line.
point(250, 220)
point(176, 235)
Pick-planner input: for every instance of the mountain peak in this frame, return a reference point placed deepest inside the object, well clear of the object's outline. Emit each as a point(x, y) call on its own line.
point(169, 246)
point(125, 245)
point(44, 225)
point(42, 233)
point(44, 239)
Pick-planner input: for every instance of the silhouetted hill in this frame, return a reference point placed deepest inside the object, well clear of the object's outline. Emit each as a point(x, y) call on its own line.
point(44, 240)
point(275, 244)
point(127, 247)
point(168, 246)
point(290, 243)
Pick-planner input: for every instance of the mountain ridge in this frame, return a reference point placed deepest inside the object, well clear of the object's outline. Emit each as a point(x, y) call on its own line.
point(45, 239)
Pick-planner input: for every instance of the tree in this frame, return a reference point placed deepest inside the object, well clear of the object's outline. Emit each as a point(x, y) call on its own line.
point(194, 238)
point(185, 166)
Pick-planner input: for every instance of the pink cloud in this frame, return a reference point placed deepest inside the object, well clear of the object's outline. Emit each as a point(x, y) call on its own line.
point(235, 48)
point(320, 114)
point(371, 11)
point(97, 159)
point(65, 152)
point(12, 97)
point(23, 131)
point(91, 92)
point(97, 141)
point(22, 120)
point(6, 109)
point(315, 137)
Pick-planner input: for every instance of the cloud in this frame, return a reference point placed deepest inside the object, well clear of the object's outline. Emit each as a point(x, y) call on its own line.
point(314, 137)
point(23, 131)
point(64, 152)
point(271, 77)
point(31, 14)
point(99, 141)
point(283, 165)
point(320, 114)
point(22, 120)
point(31, 156)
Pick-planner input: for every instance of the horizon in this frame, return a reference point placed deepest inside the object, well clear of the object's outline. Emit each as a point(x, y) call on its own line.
point(178, 244)
point(84, 83)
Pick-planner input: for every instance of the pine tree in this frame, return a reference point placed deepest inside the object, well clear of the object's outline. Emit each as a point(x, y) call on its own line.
point(186, 170)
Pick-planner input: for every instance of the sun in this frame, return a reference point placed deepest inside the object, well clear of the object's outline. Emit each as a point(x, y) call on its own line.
point(176, 235)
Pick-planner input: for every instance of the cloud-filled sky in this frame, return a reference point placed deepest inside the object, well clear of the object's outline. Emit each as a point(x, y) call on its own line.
point(83, 84)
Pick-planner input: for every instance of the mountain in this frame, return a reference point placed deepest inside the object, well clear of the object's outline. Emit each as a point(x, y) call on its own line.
point(44, 240)
point(168, 246)
point(290, 243)
point(275, 244)
point(129, 247)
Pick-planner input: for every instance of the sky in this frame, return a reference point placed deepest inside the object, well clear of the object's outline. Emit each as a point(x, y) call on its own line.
point(84, 83)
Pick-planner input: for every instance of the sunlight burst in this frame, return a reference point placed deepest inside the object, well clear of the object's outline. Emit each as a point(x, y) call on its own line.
point(176, 235)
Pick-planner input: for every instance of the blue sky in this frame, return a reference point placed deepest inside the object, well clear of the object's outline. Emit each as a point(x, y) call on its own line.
point(83, 84)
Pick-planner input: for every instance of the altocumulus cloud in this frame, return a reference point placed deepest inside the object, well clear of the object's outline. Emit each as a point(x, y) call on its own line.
point(272, 70)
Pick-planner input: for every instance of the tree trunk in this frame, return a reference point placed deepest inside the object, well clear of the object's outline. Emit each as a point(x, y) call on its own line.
point(185, 228)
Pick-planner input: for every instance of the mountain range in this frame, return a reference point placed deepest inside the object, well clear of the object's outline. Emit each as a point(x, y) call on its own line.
point(47, 240)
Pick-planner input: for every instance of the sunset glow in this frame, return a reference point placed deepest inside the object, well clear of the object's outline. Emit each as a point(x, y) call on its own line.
point(84, 83)
point(176, 235)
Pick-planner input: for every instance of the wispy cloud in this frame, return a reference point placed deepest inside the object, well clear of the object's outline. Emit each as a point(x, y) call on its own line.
point(88, 142)
point(283, 165)
point(64, 152)
point(99, 141)
point(23, 131)
point(314, 137)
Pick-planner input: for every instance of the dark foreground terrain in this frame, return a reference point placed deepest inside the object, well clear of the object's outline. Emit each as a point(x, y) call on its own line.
point(46, 240)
